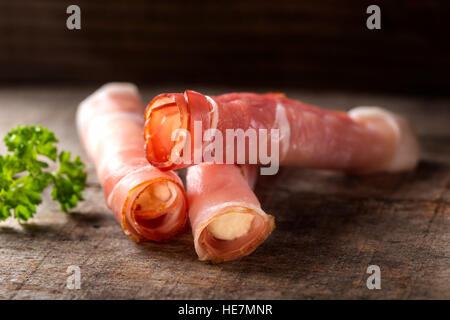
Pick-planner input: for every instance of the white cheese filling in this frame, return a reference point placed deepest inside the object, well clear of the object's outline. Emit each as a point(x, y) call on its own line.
point(155, 197)
point(406, 155)
point(231, 225)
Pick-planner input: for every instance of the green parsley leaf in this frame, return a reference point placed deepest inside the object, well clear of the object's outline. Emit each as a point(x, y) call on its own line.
point(23, 178)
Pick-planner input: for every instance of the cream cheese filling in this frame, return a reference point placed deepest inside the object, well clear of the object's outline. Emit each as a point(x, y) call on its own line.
point(231, 225)
point(157, 196)
point(406, 155)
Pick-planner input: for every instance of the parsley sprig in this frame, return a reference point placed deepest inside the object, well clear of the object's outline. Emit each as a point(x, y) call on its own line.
point(23, 176)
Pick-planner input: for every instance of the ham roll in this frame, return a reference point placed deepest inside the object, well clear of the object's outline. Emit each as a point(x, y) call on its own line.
point(365, 139)
point(226, 217)
point(148, 203)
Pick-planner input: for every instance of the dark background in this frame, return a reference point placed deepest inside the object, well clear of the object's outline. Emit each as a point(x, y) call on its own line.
point(272, 44)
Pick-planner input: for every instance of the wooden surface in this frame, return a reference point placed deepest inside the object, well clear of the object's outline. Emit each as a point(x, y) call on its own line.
point(330, 227)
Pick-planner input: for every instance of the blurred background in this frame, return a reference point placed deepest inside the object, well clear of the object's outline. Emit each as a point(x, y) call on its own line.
point(249, 43)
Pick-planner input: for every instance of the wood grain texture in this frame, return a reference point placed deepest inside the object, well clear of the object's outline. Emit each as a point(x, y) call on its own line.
point(330, 227)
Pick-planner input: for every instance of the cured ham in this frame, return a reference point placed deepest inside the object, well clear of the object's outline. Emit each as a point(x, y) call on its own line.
point(148, 203)
point(365, 139)
point(226, 217)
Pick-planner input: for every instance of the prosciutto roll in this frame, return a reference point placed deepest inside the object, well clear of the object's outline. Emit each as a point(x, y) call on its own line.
point(366, 139)
point(226, 217)
point(148, 203)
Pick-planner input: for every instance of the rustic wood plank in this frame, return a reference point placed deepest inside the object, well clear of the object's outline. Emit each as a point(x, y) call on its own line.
point(330, 227)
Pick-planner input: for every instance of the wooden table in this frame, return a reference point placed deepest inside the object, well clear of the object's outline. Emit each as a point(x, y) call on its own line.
point(330, 227)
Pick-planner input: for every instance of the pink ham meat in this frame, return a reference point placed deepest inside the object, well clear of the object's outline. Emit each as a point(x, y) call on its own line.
point(218, 190)
point(148, 203)
point(366, 139)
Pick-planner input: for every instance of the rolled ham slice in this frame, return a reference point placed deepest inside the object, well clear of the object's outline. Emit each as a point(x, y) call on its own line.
point(148, 203)
point(366, 139)
point(226, 217)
